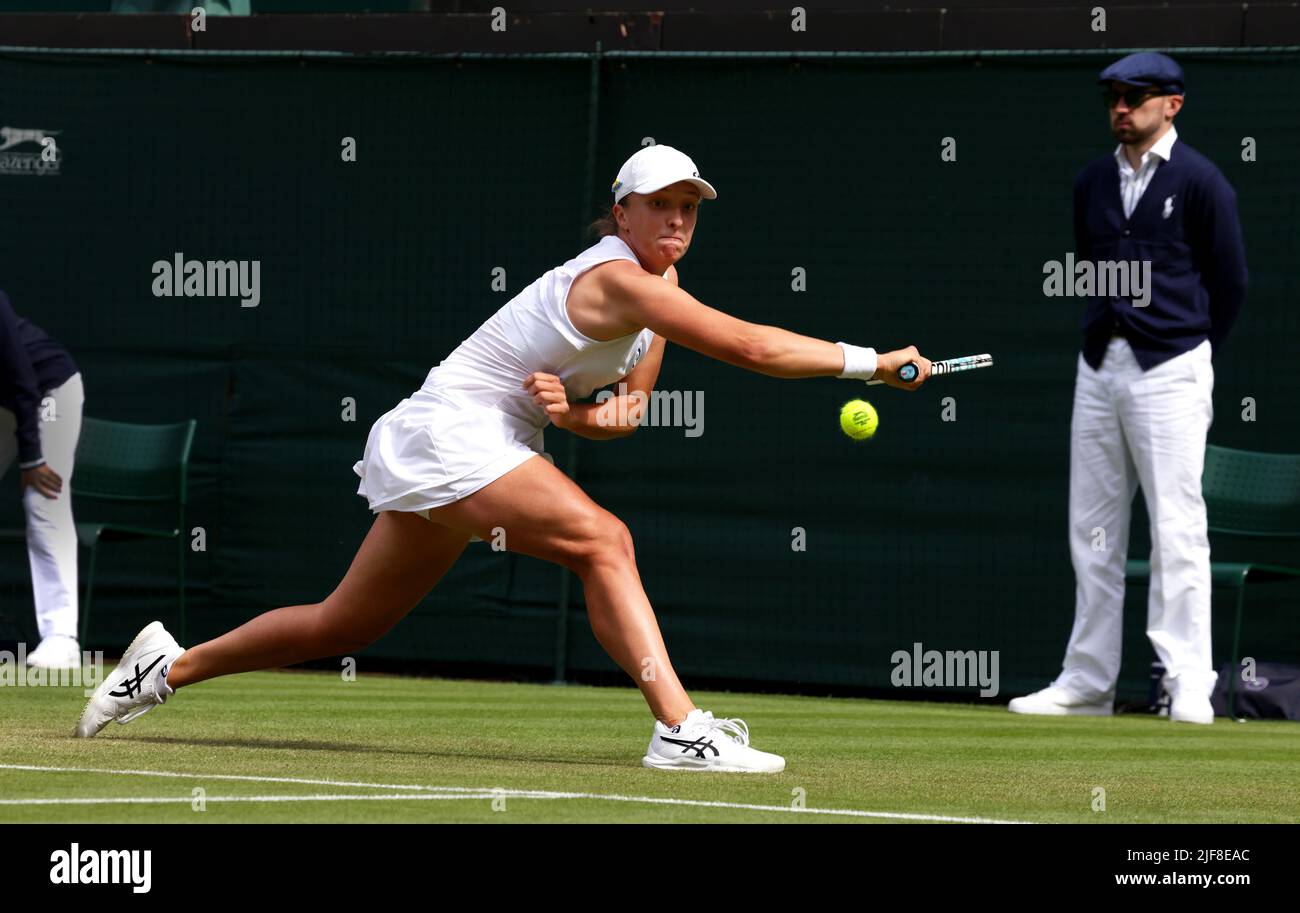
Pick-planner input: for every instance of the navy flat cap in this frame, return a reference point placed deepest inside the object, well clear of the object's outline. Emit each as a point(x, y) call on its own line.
point(1146, 69)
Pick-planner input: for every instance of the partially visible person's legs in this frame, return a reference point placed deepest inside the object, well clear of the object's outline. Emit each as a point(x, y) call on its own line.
point(51, 533)
point(1103, 482)
point(1168, 412)
point(546, 515)
point(402, 558)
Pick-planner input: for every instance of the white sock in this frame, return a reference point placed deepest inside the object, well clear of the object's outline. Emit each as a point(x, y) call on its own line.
point(160, 686)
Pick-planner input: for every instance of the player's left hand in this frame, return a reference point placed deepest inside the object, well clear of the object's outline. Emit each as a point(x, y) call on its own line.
point(549, 393)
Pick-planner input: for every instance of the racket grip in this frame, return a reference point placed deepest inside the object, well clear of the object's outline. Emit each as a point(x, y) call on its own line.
point(907, 373)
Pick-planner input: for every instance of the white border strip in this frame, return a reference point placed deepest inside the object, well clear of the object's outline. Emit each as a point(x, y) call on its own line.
point(407, 792)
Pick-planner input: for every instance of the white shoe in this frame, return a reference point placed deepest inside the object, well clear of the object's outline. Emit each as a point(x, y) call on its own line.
point(58, 651)
point(700, 742)
point(1191, 708)
point(132, 688)
point(1054, 701)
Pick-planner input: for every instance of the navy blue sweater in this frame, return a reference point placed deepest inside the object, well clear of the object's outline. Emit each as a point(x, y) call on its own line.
point(31, 364)
point(1198, 261)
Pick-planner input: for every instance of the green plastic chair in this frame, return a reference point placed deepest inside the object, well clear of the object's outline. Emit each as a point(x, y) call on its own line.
point(1248, 495)
point(127, 463)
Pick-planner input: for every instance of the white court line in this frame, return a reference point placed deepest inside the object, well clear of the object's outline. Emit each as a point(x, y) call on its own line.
point(443, 792)
point(187, 800)
point(243, 777)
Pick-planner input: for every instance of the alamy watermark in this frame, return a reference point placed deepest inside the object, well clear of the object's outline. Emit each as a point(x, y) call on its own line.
point(664, 408)
point(1098, 279)
point(77, 866)
point(921, 668)
point(181, 278)
point(15, 672)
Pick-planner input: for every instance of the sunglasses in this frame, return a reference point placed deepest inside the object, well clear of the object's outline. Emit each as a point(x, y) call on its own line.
point(1133, 97)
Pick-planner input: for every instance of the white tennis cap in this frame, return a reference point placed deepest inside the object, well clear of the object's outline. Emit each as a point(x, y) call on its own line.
point(654, 168)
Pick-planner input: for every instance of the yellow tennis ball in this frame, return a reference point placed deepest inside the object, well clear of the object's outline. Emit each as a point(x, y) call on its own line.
point(858, 419)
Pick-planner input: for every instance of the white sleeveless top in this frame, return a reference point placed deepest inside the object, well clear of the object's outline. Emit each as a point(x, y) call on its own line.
point(533, 332)
point(472, 421)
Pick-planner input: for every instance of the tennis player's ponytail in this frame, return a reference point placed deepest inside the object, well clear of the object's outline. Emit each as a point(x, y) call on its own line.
point(604, 226)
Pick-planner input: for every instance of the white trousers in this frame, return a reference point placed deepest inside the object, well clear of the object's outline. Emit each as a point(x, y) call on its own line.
point(51, 535)
point(1131, 427)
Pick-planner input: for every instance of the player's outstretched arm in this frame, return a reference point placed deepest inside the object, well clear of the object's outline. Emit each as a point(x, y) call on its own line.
point(676, 315)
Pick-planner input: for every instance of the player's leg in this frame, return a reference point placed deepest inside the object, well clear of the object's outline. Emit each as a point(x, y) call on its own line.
point(402, 558)
point(1170, 410)
point(546, 515)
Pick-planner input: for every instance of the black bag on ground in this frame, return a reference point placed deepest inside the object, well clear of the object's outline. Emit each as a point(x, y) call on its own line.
point(1272, 694)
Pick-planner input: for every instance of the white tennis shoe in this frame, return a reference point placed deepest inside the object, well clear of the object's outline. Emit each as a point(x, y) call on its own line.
point(1054, 701)
point(133, 687)
point(702, 743)
point(1190, 706)
point(56, 652)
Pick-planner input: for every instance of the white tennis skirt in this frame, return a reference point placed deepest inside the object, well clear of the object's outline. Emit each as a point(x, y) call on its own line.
point(429, 451)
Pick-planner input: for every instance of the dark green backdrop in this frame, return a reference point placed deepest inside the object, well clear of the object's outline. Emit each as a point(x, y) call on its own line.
point(947, 533)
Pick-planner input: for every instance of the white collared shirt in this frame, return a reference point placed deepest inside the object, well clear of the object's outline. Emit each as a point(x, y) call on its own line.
point(1133, 183)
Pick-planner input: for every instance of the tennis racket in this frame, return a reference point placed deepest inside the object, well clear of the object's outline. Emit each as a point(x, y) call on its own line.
point(908, 372)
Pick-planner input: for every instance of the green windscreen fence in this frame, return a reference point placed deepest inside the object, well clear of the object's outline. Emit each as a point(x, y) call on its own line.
point(772, 547)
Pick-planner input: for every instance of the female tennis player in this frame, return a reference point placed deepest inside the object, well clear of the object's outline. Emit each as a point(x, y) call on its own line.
point(459, 459)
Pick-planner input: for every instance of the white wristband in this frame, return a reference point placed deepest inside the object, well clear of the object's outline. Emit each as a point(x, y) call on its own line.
point(859, 362)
